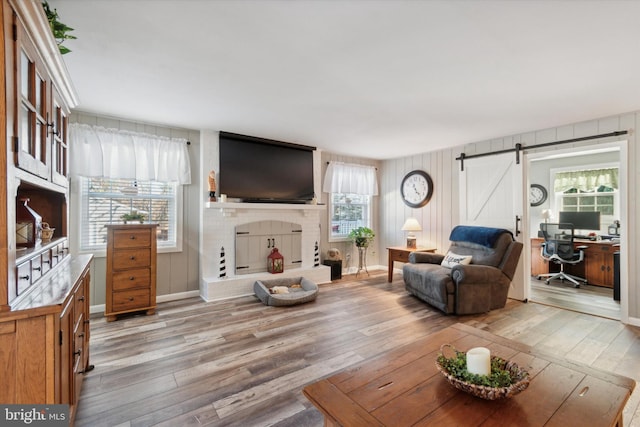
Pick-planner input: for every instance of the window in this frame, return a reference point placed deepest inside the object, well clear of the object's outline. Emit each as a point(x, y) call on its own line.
point(582, 202)
point(348, 211)
point(588, 190)
point(103, 201)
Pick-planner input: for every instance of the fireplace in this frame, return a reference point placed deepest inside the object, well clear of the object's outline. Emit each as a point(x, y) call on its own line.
point(218, 245)
point(256, 240)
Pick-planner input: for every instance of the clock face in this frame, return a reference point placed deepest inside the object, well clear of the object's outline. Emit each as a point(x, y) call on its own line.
point(537, 195)
point(416, 189)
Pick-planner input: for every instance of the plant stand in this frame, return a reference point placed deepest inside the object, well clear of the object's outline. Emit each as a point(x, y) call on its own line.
point(362, 260)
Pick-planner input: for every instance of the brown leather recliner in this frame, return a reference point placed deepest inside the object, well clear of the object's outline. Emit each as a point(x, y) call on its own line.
point(478, 287)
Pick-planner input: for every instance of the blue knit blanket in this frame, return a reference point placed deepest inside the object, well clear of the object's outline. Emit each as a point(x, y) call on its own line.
point(485, 236)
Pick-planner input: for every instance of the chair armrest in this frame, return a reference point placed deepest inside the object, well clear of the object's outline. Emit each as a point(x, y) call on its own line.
point(462, 274)
point(425, 257)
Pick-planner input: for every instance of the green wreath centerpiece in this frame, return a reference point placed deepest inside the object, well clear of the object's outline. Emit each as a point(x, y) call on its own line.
point(506, 379)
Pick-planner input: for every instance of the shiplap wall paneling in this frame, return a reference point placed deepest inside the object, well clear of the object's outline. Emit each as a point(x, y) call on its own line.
point(444, 213)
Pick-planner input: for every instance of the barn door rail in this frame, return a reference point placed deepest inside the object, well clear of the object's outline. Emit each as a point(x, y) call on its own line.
point(519, 147)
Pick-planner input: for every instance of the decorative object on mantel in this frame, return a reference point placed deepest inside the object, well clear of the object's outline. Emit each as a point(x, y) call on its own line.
point(28, 225)
point(223, 267)
point(316, 255)
point(47, 232)
point(411, 225)
point(506, 379)
point(212, 186)
point(60, 31)
point(275, 262)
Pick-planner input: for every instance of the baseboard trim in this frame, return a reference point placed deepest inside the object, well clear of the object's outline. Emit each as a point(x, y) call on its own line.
point(99, 308)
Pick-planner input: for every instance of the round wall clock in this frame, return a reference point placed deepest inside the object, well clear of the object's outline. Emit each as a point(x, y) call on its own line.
point(537, 195)
point(416, 189)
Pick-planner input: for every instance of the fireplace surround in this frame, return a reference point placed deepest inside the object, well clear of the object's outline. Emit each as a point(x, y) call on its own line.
point(219, 231)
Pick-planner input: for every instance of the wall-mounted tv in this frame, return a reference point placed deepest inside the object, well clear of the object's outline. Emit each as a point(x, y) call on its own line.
point(588, 220)
point(261, 170)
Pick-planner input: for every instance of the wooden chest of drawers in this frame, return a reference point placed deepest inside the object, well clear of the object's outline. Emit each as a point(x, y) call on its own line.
point(131, 269)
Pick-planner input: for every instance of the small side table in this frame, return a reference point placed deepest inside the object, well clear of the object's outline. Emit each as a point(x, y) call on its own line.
point(336, 268)
point(401, 254)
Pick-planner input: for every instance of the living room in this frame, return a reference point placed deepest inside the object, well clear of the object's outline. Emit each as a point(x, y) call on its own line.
point(180, 270)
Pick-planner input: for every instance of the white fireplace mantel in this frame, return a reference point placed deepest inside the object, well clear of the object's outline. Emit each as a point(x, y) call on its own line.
point(219, 221)
point(231, 208)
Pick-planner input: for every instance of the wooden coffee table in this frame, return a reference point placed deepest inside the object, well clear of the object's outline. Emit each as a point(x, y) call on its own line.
point(404, 388)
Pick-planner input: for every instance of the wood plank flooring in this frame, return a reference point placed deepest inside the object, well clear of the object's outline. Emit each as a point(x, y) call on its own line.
point(240, 363)
point(589, 299)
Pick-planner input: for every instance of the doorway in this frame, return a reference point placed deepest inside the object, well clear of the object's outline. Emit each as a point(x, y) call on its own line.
point(541, 170)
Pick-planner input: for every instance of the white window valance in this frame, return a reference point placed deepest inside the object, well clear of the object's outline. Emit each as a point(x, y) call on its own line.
point(117, 154)
point(350, 178)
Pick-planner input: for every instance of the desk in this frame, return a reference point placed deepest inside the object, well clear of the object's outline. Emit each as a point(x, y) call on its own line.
point(401, 254)
point(403, 387)
point(597, 268)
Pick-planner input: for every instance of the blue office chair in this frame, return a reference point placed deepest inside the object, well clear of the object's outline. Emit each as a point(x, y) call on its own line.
point(558, 248)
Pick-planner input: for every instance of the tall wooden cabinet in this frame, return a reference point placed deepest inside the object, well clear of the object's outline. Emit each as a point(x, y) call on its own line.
point(131, 269)
point(44, 296)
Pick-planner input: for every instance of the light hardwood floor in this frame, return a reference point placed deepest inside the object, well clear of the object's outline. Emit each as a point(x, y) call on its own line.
point(589, 299)
point(241, 363)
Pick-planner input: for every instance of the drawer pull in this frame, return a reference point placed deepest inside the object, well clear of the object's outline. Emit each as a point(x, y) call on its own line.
point(130, 298)
point(133, 237)
point(24, 277)
point(132, 258)
point(78, 353)
point(132, 278)
point(81, 298)
point(37, 268)
point(46, 261)
point(81, 335)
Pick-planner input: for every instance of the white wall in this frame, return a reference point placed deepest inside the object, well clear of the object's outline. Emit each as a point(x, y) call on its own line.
point(178, 271)
point(442, 213)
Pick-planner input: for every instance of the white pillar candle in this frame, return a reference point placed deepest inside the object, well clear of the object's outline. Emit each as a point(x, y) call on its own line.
point(479, 361)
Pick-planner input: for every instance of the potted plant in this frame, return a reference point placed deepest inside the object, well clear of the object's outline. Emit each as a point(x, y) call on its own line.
point(133, 216)
point(60, 31)
point(362, 236)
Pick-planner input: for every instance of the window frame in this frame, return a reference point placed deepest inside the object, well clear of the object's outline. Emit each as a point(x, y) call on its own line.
point(101, 250)
point(367, 222)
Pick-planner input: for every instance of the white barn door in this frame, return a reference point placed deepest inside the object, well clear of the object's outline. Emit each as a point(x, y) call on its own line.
point(491, 195)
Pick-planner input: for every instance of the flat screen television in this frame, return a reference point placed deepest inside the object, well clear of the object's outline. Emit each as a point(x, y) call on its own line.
point(581, 220)
point(261, 170)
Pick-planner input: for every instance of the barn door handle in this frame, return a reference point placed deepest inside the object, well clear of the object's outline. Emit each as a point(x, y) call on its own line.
point(518, 219)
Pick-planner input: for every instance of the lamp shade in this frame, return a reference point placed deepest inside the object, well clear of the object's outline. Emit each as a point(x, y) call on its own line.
point(547, 214)
point(411, 224)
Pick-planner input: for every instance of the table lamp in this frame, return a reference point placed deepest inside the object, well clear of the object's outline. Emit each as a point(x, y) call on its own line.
point(411, 225)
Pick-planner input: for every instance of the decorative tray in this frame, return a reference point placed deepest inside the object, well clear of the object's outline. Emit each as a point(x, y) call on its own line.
point(511, 378)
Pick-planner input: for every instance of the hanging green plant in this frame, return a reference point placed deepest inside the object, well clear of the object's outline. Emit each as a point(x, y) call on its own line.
point(60, 31)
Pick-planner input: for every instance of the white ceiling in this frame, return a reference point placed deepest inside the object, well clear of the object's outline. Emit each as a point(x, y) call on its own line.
point(377, 79)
